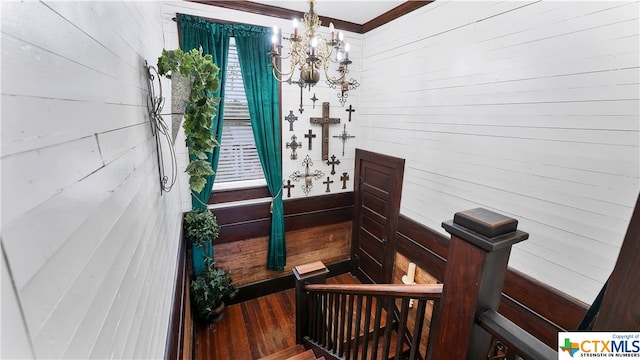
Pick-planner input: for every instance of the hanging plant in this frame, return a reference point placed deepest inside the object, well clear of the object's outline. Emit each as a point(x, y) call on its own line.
point(200, 110)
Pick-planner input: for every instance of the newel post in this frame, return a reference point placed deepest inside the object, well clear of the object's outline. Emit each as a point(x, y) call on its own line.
point(477, 260)
point(313, 273)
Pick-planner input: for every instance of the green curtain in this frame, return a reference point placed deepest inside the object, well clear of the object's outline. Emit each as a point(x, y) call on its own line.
point(253, 43)
point(214, 39)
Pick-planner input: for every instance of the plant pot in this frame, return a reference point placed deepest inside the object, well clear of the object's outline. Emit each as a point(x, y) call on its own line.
point(180, 90)
point(218, 313)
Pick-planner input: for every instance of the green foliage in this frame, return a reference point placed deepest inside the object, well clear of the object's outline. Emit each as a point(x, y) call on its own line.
point(211, 285)
point(201, 226)
point(210, 288)
point(201, 105)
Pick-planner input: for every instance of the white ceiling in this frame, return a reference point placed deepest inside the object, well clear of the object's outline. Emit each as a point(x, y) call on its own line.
point(355, 11)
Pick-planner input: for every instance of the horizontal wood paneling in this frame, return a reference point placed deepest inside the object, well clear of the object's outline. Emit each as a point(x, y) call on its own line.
point(246, 259)
point(248, 221)
point(90, 244)
point(526, 108)
point(534, 306)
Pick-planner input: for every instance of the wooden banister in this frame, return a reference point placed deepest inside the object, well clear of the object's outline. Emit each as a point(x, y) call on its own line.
point(515, 337)
point(418, 291)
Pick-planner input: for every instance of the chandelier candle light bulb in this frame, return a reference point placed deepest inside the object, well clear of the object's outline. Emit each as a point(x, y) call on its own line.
point(295, 28)
point(332, 31)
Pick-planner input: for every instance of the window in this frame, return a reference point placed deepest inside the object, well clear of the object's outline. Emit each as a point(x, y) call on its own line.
point(239, 165)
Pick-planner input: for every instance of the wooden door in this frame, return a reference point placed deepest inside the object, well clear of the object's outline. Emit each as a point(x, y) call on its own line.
point(377, 189)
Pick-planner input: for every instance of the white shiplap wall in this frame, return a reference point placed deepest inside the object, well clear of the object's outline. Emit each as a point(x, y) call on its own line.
point(290, 101)
point(90, 243)
point(530, 109)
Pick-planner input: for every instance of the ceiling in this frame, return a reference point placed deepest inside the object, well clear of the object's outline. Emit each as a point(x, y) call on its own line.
point(354, 11)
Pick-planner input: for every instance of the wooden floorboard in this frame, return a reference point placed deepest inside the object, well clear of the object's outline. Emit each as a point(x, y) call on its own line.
point(253, 329)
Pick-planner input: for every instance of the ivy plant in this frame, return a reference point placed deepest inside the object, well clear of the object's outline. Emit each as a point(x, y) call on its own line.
point(201, 107)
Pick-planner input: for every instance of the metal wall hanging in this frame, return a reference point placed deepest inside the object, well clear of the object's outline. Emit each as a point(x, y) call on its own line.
point(333, 164)
point(293, 145)
point(350, 110)
point(300, 83)
point(159, 129)
point(310, 135)
point(288, 187)
point(344, 178)
point(308, 176)
point(328, 182)
point(345, 86)
point(344, 137)
point(325, 121)
point(290, 118)
point(314, 99)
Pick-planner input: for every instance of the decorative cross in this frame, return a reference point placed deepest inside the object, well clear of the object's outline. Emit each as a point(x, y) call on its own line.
point(310, 136)
point(288, 187)
point(350, 110)
point(293, 145)
point(291, 118)
point(344, 179)
point(314, 99)
point(333, 164)
point(325, 121)
point(307, 176)
point(344, 137)
point(328, 182)
point(301, 84)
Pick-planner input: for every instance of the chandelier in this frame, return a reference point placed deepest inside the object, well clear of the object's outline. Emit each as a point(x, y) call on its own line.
point(311, 53)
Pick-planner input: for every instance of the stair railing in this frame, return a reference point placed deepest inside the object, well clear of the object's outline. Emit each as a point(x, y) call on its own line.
point(363, 321)
point(464, 317)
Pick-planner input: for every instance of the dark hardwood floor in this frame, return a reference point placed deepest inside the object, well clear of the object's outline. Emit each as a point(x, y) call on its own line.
point(255, 328)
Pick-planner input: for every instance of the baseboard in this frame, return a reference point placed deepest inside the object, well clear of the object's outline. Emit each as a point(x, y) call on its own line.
point(177, 319)
point(285, 282)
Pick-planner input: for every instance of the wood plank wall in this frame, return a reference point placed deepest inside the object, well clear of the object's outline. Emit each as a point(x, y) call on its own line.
point(529, 109)
point(317, 229)
point(89, 247)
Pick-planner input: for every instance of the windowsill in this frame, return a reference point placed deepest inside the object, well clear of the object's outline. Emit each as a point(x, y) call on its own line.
point(238, 185)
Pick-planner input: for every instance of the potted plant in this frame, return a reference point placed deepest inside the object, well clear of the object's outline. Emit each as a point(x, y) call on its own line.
point(200, 109)
point(210, 286)
point(200, 229)
point(209, 289)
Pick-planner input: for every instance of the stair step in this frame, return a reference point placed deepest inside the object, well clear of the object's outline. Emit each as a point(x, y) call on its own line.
point(285, 353)
point(307, 355)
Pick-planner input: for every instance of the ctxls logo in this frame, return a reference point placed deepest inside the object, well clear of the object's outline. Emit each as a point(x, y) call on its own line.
point(598, 344)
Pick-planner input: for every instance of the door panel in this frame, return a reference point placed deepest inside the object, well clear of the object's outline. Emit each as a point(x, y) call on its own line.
point(377, 190)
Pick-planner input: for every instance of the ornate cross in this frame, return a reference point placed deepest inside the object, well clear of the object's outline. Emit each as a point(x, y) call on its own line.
point(310, 136)
point(325, 121)
point(288, 187)
point(314, 99)
point(291, 118)
point(350, 110)
point(344, 137)
point(344, 179)
point(307, 176)
point(293, 145)
point(333, 164)
point(328, 182)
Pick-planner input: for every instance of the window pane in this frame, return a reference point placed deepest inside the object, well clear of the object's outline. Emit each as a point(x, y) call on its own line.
point(238, 155)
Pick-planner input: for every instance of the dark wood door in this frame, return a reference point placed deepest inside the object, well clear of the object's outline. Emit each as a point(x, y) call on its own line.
point(377, 190)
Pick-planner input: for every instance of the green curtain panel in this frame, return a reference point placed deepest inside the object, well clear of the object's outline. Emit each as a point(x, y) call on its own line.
point(214, 39)
point(253, 43)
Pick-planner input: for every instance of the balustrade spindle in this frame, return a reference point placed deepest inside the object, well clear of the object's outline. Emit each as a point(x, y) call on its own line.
point(404, 314)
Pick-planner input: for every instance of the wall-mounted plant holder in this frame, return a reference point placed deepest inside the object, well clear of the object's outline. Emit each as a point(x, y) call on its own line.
point(160, 130)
